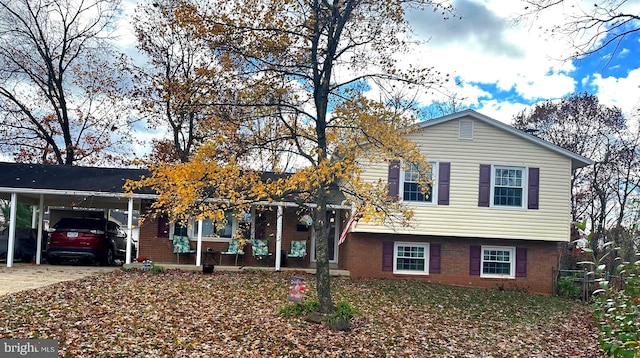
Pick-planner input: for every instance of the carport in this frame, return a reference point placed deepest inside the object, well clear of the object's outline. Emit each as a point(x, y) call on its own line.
point(68, 186)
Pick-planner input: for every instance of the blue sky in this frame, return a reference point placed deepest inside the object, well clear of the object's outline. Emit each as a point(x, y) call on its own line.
point(506, 67)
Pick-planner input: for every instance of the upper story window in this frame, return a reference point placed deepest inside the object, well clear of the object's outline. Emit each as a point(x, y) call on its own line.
point(508, 186)
point(412, 190)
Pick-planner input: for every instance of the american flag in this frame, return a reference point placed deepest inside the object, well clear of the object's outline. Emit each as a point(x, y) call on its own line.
point(347, 227)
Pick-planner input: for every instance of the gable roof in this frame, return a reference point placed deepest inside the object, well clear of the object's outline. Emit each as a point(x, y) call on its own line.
point(577, 161)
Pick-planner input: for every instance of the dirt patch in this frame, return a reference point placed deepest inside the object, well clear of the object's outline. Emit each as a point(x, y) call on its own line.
point(29, 276)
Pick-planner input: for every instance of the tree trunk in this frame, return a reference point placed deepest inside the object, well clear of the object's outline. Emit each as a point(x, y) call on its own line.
point(323, 278)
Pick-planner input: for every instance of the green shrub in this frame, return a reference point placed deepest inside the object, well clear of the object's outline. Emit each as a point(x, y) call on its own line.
point(156, 269)
point(344, 310)
point(567, 287)
point(299, 309)
point(616, 307)
point(617, 313)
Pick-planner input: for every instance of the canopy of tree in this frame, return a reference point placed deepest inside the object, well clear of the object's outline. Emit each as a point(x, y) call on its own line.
point(295, 75)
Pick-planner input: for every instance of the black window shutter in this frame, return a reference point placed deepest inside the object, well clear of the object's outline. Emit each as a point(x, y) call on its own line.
point(534, 188)
point(387, 256)
point(521, 262)
point(474, 260)
point(394, 178)
point(444, 180)
point(434, 258)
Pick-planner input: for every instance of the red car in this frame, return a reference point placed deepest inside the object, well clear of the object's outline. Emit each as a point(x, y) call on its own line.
point(87, 239)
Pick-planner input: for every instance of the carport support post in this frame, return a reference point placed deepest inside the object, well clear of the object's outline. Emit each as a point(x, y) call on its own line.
point(129, 230)
point(12, 229)
point(279, 236)
point(199, 246)
point(34, 217)
point(39, 237)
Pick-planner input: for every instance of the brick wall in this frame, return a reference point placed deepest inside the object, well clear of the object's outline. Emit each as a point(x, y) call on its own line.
point(361, 254)
point(155, 244)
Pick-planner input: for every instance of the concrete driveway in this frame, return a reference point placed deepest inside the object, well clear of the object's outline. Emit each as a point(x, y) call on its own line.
point(24, 276)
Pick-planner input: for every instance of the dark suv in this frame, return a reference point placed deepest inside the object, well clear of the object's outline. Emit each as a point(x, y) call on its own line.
point(90, 239)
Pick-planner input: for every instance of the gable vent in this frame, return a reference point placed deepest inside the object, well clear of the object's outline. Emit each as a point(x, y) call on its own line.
point(465, 129)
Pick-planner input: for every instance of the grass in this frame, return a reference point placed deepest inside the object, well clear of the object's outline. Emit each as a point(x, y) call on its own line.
point(181, 314)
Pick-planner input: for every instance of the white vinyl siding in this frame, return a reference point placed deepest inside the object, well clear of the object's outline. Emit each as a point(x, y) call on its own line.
point(462, 217)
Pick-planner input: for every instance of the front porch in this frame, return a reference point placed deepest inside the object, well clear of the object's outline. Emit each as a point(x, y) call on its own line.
point(277, 230)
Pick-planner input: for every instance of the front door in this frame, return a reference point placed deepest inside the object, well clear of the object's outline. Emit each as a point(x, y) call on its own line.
point(333, 233)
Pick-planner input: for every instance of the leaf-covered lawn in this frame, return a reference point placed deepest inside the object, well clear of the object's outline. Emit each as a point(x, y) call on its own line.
point(183, 314)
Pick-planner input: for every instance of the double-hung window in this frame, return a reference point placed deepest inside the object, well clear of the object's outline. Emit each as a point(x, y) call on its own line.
point(413, 189)
point(411, 258)
point(498, 261)
point(508, 189)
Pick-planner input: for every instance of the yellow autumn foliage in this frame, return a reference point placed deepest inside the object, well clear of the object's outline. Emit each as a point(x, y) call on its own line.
point(295, 75)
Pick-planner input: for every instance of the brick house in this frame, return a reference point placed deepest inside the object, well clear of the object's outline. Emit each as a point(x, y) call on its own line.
point(497, 211)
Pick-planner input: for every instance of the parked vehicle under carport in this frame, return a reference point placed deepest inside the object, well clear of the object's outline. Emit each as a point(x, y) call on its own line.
point(87, 239)
point(24, 248)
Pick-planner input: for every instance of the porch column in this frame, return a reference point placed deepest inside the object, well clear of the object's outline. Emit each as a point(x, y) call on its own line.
point(12, 229)
point(39, 236)
point(34, 217)
point(253, 223)
point(199, 246)
point(279, 236)
point(129, 231)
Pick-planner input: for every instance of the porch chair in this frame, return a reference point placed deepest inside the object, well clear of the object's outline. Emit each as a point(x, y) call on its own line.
point(234, 249)
point(260, 249)
point(298, 249)
point(181, 246)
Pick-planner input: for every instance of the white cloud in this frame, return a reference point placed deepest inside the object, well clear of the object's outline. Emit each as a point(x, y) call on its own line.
point(619, 91)
point(501, 110)
point(124, 35)
point(553, 85)
point(486, 47)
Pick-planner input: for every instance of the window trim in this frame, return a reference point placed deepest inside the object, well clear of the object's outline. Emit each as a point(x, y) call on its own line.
point(427, 254)
point(525, 186)
point(435, 167)
point(512, 262)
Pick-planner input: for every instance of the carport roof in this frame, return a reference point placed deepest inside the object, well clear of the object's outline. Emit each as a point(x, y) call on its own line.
point(61, 177)
point(76, 186)
point(70, 186)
